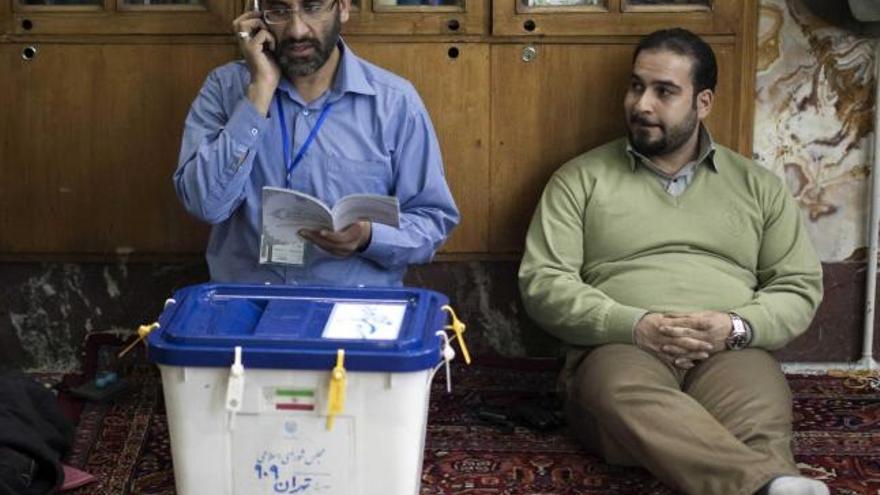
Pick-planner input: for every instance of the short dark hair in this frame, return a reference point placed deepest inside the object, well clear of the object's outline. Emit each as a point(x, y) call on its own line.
point(704, 73)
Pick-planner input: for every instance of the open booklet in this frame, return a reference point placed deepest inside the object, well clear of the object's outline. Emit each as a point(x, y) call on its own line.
point(285, 212)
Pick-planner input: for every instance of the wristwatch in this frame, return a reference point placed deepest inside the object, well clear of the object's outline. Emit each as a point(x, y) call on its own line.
point(740, 334)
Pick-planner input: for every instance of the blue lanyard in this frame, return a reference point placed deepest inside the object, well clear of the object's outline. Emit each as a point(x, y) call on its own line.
point(286, 141)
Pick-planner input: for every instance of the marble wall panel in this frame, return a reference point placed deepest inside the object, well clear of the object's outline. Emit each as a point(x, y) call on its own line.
point(814, 120)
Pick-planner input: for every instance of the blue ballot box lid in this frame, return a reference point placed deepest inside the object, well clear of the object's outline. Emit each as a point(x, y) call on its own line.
point(296, 327)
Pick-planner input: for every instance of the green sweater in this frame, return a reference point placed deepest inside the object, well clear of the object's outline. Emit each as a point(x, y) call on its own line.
point(607, 243)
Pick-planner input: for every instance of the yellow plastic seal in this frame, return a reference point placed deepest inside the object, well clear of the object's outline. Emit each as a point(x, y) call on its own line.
point(458, 327)
point(336, 396)
point(142, 331)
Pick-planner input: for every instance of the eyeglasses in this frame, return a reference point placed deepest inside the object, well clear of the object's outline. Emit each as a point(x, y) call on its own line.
point(310, 10)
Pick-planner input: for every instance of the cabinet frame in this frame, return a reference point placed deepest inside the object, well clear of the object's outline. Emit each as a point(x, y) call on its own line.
point(508, 19)
point(371, 19)
point(115, 18)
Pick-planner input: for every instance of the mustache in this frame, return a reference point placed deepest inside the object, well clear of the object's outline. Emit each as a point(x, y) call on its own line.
point(641, 120)
point(289, 42)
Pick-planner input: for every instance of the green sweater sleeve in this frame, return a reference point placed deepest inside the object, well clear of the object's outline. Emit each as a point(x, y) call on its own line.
point(553, 291)
point(789, 276)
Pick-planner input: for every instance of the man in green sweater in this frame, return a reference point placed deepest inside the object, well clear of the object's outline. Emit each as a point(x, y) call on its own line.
point(671, 265)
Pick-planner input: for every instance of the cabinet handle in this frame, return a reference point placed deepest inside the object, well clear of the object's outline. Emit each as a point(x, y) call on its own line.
point(529, 53)
point(28, 53)
point(529, 25)
point(453, 25)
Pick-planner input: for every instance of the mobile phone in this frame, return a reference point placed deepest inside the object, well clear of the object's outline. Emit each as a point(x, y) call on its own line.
point(255, 6)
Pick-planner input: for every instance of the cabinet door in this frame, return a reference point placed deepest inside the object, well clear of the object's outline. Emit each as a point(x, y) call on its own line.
point(440, 17)
point(618, 17)
point(568, 99)
point(123, 16)
point(88, 154)
point(453, 81)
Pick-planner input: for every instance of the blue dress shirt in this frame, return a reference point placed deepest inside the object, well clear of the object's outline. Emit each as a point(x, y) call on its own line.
point(377, 138)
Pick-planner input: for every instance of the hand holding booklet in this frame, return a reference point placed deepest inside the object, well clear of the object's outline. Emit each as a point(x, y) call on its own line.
point(286, 212)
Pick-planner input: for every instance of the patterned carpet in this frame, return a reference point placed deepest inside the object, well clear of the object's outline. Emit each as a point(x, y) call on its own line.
point(125, 444)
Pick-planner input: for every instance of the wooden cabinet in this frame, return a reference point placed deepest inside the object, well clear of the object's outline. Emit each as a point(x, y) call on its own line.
point(93, 117)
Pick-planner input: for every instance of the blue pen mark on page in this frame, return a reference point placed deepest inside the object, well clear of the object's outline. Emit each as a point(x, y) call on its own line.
point(295, 471)
point(365, 321)
point(275, 454)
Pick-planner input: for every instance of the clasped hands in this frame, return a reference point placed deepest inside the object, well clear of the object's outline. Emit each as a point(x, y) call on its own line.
point(344, 243)
point(682, 339)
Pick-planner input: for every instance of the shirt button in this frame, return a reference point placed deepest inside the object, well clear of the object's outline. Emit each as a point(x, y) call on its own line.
point(306, 112)
point(254, 131)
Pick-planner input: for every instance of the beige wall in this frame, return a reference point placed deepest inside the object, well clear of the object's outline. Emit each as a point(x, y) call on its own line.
point(814, 120)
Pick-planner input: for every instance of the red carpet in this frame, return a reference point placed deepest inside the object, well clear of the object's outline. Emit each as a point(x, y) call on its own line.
point(125, 444)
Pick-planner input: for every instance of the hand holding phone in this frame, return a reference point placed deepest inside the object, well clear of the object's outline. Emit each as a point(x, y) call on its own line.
point(257, 45)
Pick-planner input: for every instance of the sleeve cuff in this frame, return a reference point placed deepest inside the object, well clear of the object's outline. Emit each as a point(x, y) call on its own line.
point(636, 321)
point(381, 248)
point(245, 127)
point(620, 321)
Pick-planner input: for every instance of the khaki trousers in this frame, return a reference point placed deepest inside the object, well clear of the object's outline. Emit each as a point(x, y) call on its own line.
point(721, 428)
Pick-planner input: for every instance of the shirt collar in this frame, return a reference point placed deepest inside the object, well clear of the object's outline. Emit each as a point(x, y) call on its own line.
point(350, 75)
point(706, 155)
point(349, 78)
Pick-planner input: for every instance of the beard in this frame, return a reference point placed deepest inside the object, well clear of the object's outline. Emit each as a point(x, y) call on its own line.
point(299, 66)
point(671, 138)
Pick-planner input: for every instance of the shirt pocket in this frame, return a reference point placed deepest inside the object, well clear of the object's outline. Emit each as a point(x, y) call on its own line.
point(344, 176)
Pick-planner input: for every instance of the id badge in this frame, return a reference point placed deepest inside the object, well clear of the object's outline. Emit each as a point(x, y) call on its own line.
point(281, 253)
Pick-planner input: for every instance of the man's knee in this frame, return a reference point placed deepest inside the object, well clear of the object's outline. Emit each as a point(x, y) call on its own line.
point(747, 392)
point(613, 375)
point(751, 377)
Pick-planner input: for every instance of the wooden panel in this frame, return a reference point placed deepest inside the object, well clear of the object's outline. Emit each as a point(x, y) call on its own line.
point(5, 17)
point(567, 100)
point(723, 19)
point(88, 157)
point(456, 92)
point(723, 122)
point(473, 20)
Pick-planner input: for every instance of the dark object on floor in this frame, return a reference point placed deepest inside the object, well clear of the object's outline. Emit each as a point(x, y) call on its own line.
point(102, 388)
point(34, 435)
point(538, 417)
point(532, 414)
point(496, 417)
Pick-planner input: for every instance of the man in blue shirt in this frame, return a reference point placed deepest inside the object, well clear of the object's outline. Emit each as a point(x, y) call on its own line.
point(304, 112)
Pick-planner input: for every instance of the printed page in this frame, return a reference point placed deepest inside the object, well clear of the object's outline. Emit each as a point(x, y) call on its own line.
point(359, 321)
point(285, 212)
point(372, 207)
